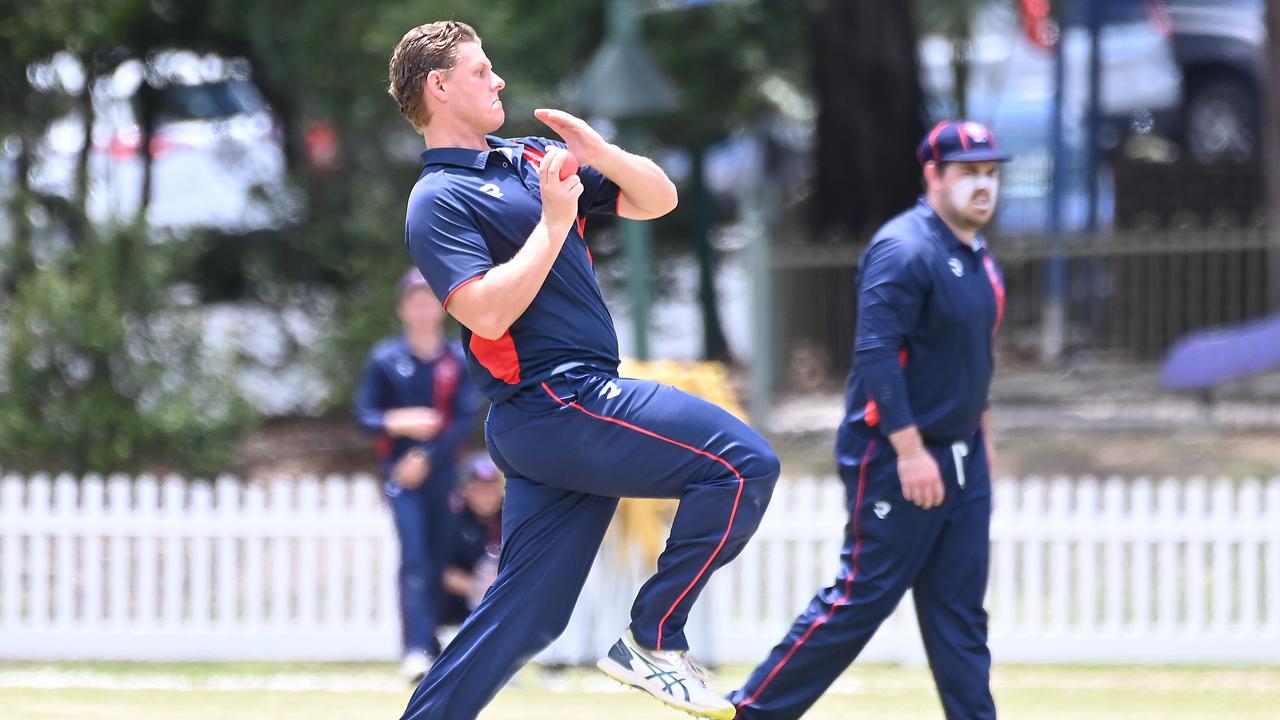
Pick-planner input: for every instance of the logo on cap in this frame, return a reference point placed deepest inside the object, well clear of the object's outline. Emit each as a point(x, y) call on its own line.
point(975, 131)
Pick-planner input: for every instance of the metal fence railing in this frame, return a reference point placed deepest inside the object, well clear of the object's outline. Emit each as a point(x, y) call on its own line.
point(1129, 294)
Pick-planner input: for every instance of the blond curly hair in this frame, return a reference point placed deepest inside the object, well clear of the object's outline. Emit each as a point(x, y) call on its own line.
point(433, 46)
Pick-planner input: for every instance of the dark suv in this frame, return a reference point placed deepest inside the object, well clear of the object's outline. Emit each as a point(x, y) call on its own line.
point(1218, 46)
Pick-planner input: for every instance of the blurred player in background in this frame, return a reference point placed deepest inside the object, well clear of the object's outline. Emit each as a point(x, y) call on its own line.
point(473, 559)
point(415, 395)
point(915, 447)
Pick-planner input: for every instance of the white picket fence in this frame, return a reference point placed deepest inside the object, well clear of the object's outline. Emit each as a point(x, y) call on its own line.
point(1082, 571)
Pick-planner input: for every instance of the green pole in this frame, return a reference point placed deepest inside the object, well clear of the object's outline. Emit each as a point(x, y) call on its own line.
point(760, 213)
point(623, 24)
point(637, 246)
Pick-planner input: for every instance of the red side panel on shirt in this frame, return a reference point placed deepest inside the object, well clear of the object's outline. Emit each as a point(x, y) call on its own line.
point(582, 233)
point(499, 357)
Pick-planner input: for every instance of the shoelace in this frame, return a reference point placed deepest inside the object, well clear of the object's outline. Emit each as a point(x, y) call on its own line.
point(696, 670)
point(683, 660)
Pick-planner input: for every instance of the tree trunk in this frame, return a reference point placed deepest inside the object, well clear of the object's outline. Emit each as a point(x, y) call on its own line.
point(960, 71)
point(871, 114)
point(85, 101)
point(78, 217)
point(714, 345)
point(22, 261)
point(1271, 147)
point(147, 97)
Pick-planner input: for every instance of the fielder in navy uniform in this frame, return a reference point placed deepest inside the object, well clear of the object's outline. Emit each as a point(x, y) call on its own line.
point(473, 559)
point(415, 396)
point(914, 449)
point(500, 234)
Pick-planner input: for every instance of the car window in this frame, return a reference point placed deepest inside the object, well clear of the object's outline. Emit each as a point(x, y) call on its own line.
point(209, 101)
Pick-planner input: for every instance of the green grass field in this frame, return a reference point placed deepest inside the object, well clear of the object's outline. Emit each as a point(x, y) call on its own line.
point(329, 692)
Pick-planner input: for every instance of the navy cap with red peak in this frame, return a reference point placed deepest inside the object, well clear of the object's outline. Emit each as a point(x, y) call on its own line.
point(960, 141)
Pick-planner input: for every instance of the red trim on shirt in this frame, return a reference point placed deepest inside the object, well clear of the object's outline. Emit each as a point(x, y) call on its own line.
point(534, 156)
point(582, 233)
point(383, 447)
point(499, 357)
point(997, 287)
point(445, 386)
point(871, 413)
point(461, 285)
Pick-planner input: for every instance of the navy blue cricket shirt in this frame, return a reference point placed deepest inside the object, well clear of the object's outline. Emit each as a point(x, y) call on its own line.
point(928, 309)
point(474, 209)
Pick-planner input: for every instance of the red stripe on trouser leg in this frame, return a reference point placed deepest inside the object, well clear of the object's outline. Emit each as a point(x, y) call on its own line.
point(733, 513)
point(848, 582)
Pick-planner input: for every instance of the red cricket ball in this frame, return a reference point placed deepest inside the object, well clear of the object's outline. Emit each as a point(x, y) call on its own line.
point(568, 166)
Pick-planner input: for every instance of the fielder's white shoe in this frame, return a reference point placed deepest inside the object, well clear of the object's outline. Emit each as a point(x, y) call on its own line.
point(671, 676)
point(414, 666)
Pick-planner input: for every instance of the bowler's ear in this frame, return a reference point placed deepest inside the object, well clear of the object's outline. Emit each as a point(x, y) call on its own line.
point(434, 85)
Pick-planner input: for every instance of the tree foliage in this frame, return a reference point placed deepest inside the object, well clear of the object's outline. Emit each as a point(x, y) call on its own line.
point(82, 301)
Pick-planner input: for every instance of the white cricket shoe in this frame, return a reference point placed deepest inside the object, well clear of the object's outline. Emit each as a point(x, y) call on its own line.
point(671, 676)
point(414, 666)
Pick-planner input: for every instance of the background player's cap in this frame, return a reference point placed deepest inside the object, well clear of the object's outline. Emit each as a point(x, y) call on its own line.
point(411, 280)
point(960, 141)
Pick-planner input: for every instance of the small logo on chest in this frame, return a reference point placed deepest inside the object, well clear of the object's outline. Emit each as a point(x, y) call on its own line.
point(957, 268)
point(491, 190)
point(405, 368)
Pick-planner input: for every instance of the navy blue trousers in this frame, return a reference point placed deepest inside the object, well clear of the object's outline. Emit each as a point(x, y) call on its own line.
point(570, 448)
point(891, 546)
point(425, 524)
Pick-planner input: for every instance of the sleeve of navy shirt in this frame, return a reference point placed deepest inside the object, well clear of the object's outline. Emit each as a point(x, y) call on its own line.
point(444, 240)
point(372, 397)
point(599, 193)
point(891, 289)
